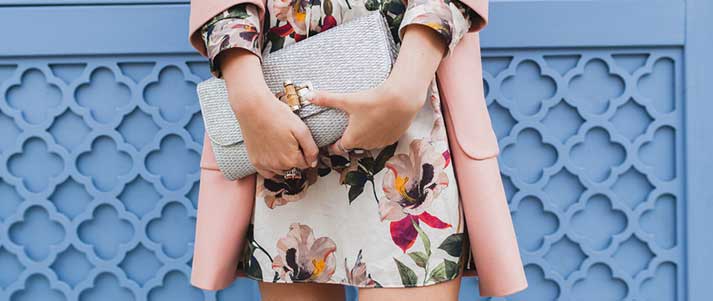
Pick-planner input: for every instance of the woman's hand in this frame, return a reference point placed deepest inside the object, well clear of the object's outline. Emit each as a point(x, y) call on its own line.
point(276, 139)
point(379, 116)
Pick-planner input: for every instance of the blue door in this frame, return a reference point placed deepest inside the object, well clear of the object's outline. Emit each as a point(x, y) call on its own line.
point(600, 108)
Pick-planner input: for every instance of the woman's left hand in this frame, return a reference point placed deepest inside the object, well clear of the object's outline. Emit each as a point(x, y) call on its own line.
point(378, 116)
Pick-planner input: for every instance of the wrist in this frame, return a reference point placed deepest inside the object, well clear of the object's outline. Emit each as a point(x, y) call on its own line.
point(242, 72)
point(410, 72)
point(247, 100)
point(407, 94)
point(420, 54)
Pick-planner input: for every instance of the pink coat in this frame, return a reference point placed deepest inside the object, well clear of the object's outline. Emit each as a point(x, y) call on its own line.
point(225, 207)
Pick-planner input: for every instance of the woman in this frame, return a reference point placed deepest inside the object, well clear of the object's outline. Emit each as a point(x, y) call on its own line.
point(389, 216)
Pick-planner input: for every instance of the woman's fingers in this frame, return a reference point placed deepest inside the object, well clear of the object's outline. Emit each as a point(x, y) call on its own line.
point(337, 149)
point(363, 108)
point(352, 103)
point(329, 99)
point(309, 147)
point(294, 159)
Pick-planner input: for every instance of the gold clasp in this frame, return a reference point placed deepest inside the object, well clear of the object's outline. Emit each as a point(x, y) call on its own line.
point(293, 94)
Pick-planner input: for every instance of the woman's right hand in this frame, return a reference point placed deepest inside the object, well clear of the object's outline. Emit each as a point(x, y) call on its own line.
point(276, 139)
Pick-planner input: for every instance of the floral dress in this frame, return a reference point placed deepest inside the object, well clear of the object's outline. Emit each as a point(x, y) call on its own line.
point(388, 217)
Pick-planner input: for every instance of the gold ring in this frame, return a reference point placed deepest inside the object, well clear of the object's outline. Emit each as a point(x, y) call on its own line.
point(293, 174)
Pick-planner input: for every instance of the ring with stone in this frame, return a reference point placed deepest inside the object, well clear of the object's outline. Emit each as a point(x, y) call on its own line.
point(293, 174)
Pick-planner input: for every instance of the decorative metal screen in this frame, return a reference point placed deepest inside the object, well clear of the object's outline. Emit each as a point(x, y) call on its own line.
point(599, 107)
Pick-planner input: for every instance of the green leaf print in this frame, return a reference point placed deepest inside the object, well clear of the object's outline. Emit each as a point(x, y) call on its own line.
point(453, 244)
point(338, 161)
point(423, 236)
point(366, 168)
point(451, 268)
point(408, 276)
point(254, 268)
point(438, 273)
point(444, 271)
point(394, 7)
point(277, 41)
point(238, 11)
point(250, 262)
point(356, 181)
point(372, 5)
point(355, 178)
point(385, 154)
point(426, 245)
point(368, 164)
point(354, 192)
point(420, 258)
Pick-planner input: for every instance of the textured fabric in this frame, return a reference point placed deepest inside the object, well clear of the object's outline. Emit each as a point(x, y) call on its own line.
point(238, 26)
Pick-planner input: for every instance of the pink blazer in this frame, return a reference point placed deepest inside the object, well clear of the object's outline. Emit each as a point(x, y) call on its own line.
point(225, 207)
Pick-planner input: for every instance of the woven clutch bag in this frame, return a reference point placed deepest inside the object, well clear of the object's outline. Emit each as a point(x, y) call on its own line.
point(355, 55)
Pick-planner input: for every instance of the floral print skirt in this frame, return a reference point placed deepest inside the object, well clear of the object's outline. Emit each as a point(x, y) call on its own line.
point(389, 217)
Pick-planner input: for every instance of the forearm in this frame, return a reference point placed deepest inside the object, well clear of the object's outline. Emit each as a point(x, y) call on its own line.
point(232, 40)
point(242, 72)
point(430, 30)
point(420, 54)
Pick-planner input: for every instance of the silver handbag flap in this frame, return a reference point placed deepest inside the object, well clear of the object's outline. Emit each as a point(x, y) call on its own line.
point(218, 117)
point(355, 55)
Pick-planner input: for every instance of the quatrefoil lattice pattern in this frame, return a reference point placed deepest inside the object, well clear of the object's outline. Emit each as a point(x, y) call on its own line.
point(100, 178)
point(100, 174)
point(591, 157)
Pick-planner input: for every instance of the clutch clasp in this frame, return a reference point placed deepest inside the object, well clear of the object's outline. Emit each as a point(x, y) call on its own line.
point(293, 94)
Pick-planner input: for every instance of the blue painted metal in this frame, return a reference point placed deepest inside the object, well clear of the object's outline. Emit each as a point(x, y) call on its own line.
point(601, 110)
point(699, 147)
point(99, 29)
point(536, 23)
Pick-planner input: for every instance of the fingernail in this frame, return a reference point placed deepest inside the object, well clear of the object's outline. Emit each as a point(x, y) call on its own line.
point(314, 163)
point(308, 94)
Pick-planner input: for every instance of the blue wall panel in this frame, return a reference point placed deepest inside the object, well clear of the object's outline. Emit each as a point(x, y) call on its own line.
point(101, 134)
point(591, 158)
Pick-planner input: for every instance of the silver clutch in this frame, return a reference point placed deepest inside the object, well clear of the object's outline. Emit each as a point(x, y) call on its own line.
point(355, 55)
